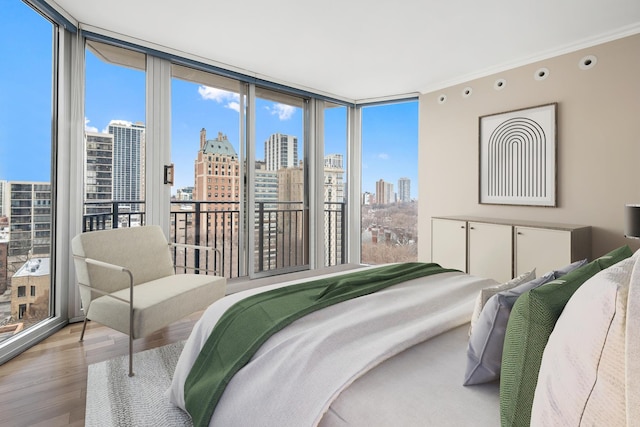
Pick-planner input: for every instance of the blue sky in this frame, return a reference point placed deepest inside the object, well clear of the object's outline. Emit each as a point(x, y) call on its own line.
point(390, 132)
point(25, 94)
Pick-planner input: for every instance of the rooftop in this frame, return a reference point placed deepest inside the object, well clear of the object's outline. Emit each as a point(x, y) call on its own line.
point(34, 267)
point(220, 145)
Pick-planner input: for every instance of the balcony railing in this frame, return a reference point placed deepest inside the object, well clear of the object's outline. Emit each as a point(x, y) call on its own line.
point(104, 215)
point(280, 233)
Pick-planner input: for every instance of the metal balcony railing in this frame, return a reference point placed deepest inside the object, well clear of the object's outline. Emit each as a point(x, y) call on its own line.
point(281, 233)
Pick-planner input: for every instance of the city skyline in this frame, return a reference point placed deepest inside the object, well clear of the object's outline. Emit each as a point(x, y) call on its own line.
point(278, 148)
point(185, 183)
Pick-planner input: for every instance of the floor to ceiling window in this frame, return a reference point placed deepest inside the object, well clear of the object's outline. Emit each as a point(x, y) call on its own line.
point(240, 165)
point(27, 201)
point(389, 183)
point(206, 145)
point(281, 210)
point(114, 172)
point(216, 199)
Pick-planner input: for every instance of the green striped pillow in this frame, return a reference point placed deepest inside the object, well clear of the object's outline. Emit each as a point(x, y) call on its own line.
point(532, 319)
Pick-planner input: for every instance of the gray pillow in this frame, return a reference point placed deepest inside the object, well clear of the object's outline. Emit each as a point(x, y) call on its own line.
point(569, 268)
point(486, 293)
point(484, 351)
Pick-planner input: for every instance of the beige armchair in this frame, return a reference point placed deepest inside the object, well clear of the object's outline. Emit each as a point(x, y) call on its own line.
point(128, 283)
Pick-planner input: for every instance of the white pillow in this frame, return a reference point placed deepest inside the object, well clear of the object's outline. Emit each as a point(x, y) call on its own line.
point(582, 374)
point(486, 293)
point(632, 356)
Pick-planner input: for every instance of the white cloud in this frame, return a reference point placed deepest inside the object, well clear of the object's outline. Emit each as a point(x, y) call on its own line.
point(232, 101)
point(234, 106)
point(383, 156)
point(88, 128)
point(120, 123)
point(283, 111)
point(220, 96)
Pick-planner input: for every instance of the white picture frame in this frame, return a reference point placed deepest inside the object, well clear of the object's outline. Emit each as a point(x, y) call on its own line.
point(517, 161)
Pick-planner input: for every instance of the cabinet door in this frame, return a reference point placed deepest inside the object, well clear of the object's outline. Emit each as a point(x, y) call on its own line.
point(491, 250)
point(449, 243)
point(541, 248)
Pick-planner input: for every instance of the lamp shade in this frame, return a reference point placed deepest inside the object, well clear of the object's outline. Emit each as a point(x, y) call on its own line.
point(632, 221)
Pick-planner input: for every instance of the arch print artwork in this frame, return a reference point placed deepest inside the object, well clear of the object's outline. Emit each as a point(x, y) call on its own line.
point(518, 157)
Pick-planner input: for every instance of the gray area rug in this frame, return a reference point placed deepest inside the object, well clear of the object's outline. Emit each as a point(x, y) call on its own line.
point(115, 399)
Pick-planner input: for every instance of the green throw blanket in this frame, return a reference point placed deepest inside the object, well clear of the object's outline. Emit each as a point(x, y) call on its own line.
point(246, 325)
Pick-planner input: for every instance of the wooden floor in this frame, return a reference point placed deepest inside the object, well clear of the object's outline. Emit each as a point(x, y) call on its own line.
point(47, 384)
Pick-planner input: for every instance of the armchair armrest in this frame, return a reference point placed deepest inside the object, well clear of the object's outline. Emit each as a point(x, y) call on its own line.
point(104, 264)
point(216, 272)
point(110, 267)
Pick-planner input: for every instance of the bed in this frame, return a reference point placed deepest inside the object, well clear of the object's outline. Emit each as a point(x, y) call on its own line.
point(435, 304)
point(393, 357)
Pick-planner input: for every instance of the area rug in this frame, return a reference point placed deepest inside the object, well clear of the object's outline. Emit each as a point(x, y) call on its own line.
point(115, 399)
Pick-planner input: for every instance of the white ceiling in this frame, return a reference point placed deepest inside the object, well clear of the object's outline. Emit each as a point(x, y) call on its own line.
point(363, 49)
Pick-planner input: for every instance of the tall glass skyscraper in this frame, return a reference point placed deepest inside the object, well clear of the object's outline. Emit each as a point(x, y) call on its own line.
point(281, 151)
point(404, 190)
point(128, 160)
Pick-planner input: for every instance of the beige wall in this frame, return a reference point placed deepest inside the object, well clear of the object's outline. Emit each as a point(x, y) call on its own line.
point(598, 142)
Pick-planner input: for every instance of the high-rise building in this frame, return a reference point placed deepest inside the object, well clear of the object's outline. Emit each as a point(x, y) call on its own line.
point(290, 215)
point(367, 198)
point(29, 217)
point(216, 194)
point(3, 210)
point(98, 177)
point(281, 151)
point(128, 161)
point(291, 184)
point(384, 193)
point(217, 170)
point(380, 192)
point(286, 214)
point(334, 212)
point(266, 196)
point(4, 265)
point(333, 178)
point(266, 188)
point(404, 190)
point(4, 252)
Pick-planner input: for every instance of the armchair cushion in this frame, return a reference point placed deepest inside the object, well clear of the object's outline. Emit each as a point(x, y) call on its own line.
point(158, 303)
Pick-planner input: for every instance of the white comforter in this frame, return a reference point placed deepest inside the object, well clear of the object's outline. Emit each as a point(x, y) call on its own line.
point(293, 379)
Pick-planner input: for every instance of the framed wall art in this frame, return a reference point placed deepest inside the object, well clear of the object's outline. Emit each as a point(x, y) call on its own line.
point(518, 157)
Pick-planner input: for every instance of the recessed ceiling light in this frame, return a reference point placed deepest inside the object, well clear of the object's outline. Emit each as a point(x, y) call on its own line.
point(499, 84)
point(541, 74)
point(587, 62)
point(466, 92)
point(442, 99)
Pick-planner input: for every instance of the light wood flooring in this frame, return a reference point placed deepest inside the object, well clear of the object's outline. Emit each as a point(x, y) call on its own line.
point(47, 384)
